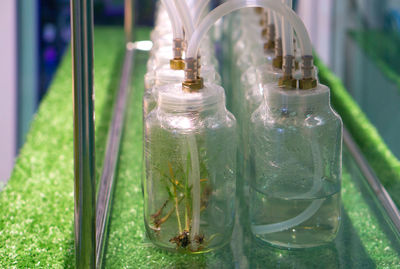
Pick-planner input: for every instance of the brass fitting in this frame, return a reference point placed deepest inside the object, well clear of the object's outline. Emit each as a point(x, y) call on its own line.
point(264, 33)
point(277, 62)
point(191, 86)
point(178, 47)
point(259, 10)
point(270, 36)
point(308, 83)
point(193, 82)
point(177, 64)
point(269, 45)
point(287, 81)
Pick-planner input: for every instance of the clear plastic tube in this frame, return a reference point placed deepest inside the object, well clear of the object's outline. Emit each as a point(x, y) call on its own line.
point(278, 25)
point(186, 17)
point(270, 17)
point(199, 9)
point(287, 33)
point(194, 181)
point(232, 5)
point(175, 22)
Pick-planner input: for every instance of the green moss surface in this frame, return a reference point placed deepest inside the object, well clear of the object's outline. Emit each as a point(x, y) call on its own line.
point(379, 156)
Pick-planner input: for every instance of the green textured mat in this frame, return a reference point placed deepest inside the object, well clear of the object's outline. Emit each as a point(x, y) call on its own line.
point(379, 156)
point(37, 205)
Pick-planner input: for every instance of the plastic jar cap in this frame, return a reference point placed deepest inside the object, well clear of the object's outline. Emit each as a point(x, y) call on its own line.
point(275, 95)
point(172, 97)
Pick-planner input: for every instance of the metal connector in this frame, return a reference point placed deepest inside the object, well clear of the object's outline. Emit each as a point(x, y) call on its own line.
point(278, 60)
point(308, 81)
point(177, 62)
point(287, 81)
point(193, 82)
point(259, 10)
point(191, 86)
point(270, 36)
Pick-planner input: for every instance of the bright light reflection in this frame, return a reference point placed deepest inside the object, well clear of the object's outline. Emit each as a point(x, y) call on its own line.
point(144, 45)
point(182, 123)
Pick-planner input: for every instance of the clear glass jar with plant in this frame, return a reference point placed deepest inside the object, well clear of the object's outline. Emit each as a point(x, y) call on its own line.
point(190, 158)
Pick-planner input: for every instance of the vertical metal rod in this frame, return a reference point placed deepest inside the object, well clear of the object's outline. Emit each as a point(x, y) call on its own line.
point(129, 20)
point(84, 150)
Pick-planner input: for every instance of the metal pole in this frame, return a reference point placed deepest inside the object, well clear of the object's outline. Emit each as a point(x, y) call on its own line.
point(84, 150)
point(129, 20)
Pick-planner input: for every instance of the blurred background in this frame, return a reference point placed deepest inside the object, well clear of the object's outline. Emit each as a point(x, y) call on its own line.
point(358, 39)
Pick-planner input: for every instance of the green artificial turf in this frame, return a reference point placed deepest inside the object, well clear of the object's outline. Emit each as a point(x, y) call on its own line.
point(379, 156)
point(37, 205)
point(383, 48)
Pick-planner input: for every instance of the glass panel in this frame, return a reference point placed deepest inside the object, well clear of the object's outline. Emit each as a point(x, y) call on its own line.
point(363, 39)
point(366, 239)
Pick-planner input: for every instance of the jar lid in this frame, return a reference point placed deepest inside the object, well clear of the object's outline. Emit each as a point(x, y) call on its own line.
point(276, 96)
point(172, 97)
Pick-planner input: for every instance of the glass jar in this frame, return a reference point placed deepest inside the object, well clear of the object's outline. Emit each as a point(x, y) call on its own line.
point(190, 151)
point(295, 168)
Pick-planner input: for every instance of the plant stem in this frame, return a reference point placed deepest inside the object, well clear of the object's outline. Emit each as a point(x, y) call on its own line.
point(175, 198)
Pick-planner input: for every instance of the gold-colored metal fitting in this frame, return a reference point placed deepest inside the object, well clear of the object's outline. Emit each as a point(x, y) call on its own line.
point(269, 45)
point(177, 64)
point(308, 83)
point(296, 65)
point(191, 86)
point(287, 83)
point(277, 62)
point(259, 10)
point(264, 33)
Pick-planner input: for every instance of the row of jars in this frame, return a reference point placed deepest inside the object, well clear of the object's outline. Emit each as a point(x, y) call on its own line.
point(275, 162)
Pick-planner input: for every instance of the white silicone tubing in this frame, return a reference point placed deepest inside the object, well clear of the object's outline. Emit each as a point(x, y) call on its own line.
point(199, 9)
point(186, 17)
point(270, 17)
point(232, 5)
point(177, 31)
point(278, 25)
point(287, 33)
